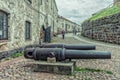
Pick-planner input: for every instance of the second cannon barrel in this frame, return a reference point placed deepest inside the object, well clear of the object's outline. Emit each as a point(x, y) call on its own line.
point(70, 46)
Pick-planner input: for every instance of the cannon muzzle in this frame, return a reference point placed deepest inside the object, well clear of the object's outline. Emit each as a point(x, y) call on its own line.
point(63, 54)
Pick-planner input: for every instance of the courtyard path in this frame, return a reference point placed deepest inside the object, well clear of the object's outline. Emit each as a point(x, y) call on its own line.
point(22, 69)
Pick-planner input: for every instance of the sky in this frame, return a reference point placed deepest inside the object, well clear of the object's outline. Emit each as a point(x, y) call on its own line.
point(80, 10)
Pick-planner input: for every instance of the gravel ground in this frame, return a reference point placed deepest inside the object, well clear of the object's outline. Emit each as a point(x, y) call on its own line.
point(22, 69)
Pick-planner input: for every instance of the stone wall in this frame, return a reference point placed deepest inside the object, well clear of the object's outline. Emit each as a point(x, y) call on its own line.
point(104, 29)
point(39, 13)
point(116, 2)
point(20, 11)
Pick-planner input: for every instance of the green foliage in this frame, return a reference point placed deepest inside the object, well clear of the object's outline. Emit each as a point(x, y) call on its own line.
point(53, 41)
point(16, 55)
point(7, 59)
point(106, 12)
point(88, 79)
point(91, 70)
point(109, 72)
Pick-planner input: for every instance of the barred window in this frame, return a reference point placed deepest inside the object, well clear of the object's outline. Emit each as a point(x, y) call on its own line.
point(27, 30)
point(3, 25)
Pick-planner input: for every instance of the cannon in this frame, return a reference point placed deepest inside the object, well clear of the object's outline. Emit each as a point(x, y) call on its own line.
point(63, 54)
point(69, 46)
point(59, 60)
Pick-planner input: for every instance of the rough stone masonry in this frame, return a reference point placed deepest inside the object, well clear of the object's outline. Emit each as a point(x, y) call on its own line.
point(105, 29)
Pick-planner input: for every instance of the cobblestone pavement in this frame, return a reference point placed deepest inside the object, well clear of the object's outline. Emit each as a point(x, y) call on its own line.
point(22, 69)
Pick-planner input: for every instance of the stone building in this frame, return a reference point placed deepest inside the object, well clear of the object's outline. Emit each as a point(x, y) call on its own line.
point(67, 25)
point(21, 21)
point(116, 1)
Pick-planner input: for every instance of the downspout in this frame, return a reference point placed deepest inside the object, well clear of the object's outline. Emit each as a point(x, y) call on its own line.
point(39, 22)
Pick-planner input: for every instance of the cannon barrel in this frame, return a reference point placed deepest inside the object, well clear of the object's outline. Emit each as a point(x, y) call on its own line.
point(63, 54)
point(69, 46)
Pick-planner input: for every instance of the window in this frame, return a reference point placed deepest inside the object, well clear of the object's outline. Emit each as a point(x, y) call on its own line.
point(41, 2)
point(3, 25)
point(51, 6)
point(30, 1)
point(27, 30)
point(62, 25)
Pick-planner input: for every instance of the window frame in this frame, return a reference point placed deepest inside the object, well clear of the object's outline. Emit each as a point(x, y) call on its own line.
point(4, 25)
point(27, 30)
point(41, 2)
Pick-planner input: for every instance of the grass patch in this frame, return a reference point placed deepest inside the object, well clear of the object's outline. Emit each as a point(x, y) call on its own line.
point(7, 59)
point(91, 70)
point(16, 55)
point(106, 12)
point(109, 72)
point(88, 79)
point(53, 41)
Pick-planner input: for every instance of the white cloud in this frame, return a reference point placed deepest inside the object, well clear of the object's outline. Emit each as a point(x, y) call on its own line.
point(79, 10)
